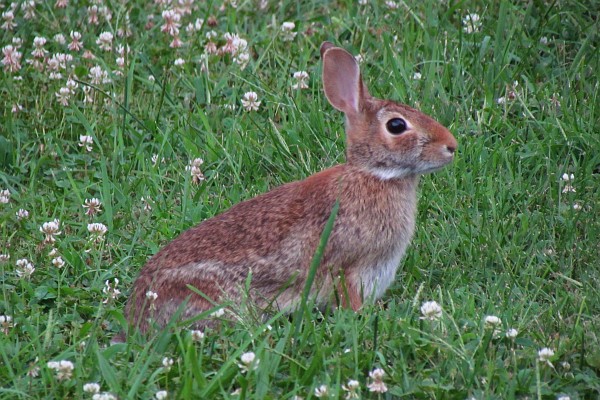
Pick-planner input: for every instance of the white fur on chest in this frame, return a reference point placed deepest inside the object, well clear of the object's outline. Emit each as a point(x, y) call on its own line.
point(376, 279)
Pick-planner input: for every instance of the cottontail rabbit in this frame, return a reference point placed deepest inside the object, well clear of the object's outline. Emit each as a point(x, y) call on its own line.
point(274, 236)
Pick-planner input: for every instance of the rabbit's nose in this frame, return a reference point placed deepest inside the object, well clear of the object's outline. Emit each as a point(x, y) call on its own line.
point(451, 149)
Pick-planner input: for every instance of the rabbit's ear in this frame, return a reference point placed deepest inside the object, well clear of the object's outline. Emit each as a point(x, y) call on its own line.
point(341, 79)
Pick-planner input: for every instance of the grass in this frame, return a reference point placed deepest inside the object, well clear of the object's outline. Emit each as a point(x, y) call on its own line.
point(497, 232)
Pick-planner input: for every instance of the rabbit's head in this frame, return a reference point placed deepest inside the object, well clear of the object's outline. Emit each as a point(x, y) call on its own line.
point(386, 138)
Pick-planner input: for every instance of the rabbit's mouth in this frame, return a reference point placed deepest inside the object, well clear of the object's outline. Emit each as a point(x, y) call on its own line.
point(426, 167)
point(403, 169)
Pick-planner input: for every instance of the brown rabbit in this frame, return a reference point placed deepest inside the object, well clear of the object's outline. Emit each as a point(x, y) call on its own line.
point(274, 236)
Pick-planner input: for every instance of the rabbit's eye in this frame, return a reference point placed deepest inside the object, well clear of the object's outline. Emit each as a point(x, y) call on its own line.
point(396, 126)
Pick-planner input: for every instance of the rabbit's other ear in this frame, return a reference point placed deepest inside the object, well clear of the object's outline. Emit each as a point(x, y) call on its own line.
point(341, 80)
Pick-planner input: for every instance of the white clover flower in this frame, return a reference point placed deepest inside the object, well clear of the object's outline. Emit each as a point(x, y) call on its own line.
point(86, 141)
point(22, 214)
point(122, 50)
point(492, 321)
point(577, 206)
point(417, 76)
point(97, 230)
point(24, 268)
point(567, 177)
point(176, 43)
point(195, 171)
point(472, 23)
point(218, 314)
point(242, 59)
point(161, 395)
point(50, 229)
point(105, 41)
point(431, 311)
point(555, 100)
point(8, 17)
point(12, 58)
point(377, 385)
point(63, 369)
point(172, 22)
point(352, 388)
point(549, 252)
point(38, 44)
point(4, 258)
point(97, 75)
point(72, 85)
point(63, 60)
point(167, 363)
point(111, 291)
point(17, 41)
point(76, 43)
point(53, 65)
point(249, 362)
point(197, 335)
point(233, 44)
point(377, 374)
point(250, 101)
point(248, 358)
point(6, 323)
point(58, 262)
point(322, 391)
point(92, 206)
point(194, 27)
point(28, 7)
point(152, 296)
point(4, 196)
point(301, 77)
point(147, 205)
point(287, 29)
point(34, 369)
point(63, 95)
point(512, 333)
point(392, 5)
point(120, 64)
point(544, 40)
point(155, 159)
point(92, 387)
point(568, 188)
point(545, 354)
point(179, 62)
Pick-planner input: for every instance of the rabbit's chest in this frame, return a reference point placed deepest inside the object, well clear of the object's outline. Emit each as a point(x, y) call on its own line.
point(376, 278)
point(378, 251)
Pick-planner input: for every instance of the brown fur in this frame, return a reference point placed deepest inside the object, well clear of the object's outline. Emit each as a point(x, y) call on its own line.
point(273, 237)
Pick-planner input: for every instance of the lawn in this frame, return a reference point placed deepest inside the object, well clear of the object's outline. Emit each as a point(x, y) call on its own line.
point(124, 123)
